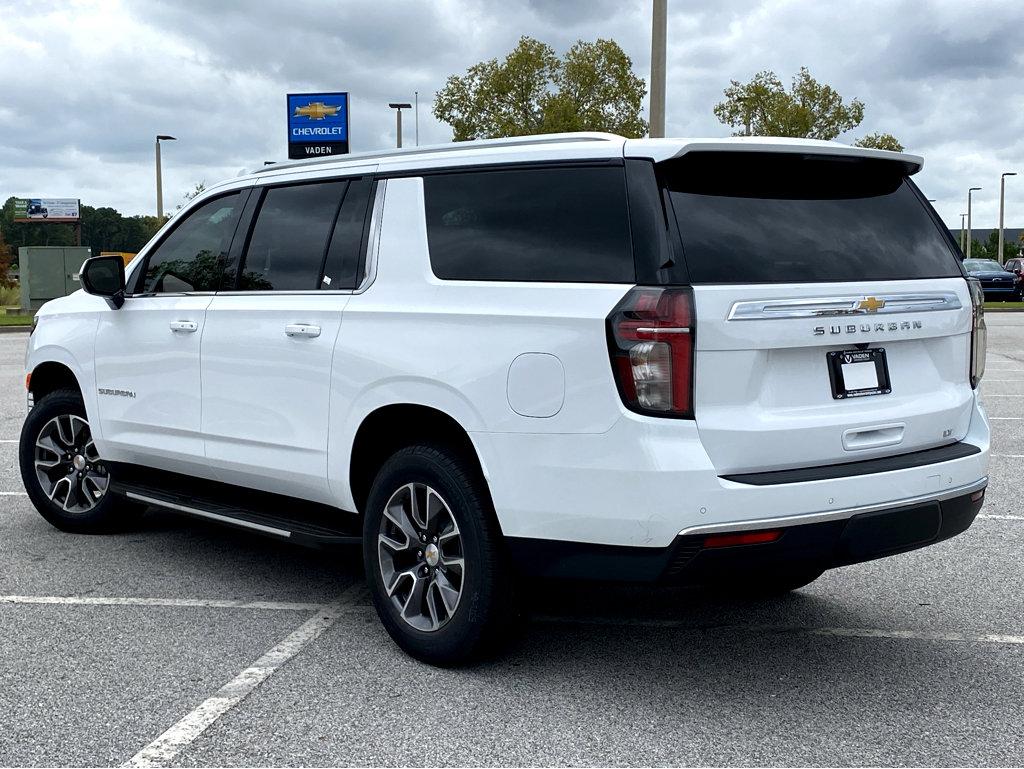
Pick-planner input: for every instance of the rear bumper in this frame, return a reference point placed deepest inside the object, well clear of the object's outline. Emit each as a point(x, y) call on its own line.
point(647, 480)
point(850, 537)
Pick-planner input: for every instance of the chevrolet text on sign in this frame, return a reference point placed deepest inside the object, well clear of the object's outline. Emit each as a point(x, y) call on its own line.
point(317, 124)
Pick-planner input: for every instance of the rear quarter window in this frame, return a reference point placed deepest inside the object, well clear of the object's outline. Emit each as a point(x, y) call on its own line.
point(538, 224)
point(788, 218)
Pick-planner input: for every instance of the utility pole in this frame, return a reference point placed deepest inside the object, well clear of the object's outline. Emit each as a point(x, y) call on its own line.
point(159, 177)
point(398, 107)
point(416, 94)
point(658, 34)
point(969, 230)
point(1002, 200)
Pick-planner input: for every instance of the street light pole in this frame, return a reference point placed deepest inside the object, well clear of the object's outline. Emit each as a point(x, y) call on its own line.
point(658, 34)
point(159, 177)
point(398, 107)
point(1002, 199)
point(969, 231)
point(963, 248)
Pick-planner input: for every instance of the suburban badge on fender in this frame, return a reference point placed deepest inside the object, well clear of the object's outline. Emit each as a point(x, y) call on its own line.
point(867, 328)
point(113, 391)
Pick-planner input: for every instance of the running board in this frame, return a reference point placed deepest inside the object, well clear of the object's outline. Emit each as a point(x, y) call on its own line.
point(295, 520)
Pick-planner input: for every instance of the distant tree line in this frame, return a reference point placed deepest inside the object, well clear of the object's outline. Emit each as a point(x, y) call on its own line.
point(103, 229)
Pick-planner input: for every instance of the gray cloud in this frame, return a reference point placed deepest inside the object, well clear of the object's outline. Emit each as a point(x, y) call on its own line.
point(95, 83)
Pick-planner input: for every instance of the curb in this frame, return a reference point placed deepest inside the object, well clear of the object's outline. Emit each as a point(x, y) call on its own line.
point(14, 329)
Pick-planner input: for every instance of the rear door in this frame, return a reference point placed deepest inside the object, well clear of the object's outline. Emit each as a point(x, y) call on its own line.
point(832, 317)
point(268, 344)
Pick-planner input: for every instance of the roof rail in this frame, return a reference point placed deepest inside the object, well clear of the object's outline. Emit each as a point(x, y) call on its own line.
point(512, 141)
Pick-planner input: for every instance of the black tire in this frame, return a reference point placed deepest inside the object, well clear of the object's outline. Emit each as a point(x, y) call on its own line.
point(110, 513)
point(484, 607)
point(767, 585)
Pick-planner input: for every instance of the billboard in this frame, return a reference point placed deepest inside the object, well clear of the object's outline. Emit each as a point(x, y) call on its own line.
point(317, 124)
point(46, 209)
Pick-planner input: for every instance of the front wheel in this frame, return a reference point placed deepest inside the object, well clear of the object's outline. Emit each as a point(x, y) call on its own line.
point(63, 473)
point(433, 556)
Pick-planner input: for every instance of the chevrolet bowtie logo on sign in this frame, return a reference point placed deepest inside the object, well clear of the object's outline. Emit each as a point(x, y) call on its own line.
point(317, 124)
point(317, 110)
point(870, 304)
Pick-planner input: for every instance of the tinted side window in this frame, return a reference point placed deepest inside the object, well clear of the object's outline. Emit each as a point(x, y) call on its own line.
point(347, 241)
point(286, 249)
point(541, 224)
point(194, 256)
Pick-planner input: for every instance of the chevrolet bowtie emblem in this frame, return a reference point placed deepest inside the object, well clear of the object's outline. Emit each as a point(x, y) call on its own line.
point(316, 110)
point(870, 304)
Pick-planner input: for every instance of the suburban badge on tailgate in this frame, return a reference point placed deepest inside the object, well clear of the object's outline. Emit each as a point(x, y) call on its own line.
point(866, 328)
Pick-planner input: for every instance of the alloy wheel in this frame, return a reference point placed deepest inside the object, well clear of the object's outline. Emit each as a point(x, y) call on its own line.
point(68, 466)
point(421, 559)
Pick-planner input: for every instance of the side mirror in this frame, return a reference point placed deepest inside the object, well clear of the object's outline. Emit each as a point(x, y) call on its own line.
point(104, 276)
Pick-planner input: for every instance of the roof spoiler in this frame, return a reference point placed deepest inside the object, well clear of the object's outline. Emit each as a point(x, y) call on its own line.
point(665, 149)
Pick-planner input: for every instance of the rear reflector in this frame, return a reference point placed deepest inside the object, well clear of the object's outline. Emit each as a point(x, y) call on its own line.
point(741, 538)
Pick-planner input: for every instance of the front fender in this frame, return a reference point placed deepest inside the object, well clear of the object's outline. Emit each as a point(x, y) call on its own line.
point(69, 340)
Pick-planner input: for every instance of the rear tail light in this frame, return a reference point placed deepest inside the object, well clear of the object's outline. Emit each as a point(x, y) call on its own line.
point(650, 338)
point(979, 334)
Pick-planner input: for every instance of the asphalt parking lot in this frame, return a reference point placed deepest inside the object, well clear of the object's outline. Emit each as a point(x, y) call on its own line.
point(181, 643)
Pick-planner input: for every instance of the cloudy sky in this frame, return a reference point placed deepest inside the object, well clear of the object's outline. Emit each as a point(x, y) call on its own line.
point(86, 85)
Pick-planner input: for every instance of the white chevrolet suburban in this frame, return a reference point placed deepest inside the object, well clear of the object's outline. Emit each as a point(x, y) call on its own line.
point(732, 362)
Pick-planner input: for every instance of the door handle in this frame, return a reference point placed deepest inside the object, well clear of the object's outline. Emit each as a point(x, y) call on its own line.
point(188, 326)
point(302, 329)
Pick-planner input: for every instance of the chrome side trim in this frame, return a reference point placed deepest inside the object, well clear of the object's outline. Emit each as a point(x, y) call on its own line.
point(842, 305)
point(832, 515)
point(373, 238)
point(206, 514)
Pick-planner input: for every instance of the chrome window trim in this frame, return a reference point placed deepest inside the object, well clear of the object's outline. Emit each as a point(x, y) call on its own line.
point(832, 515)
point(372, 247)
point(770, 309)
point(373, 238)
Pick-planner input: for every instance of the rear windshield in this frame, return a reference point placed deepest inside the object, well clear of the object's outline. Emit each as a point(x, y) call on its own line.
point(785, 218)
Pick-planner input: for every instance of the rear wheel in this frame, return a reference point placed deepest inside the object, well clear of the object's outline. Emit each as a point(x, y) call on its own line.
point(432, 550)
point(63, 473)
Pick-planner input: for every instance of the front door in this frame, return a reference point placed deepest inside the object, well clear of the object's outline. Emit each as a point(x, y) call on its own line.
point(147, 352)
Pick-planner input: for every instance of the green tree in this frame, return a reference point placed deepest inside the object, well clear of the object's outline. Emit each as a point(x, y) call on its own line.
point(989, 249)
point(810, 109)
point(880, 141)
point(531, 91)
point(198, 190)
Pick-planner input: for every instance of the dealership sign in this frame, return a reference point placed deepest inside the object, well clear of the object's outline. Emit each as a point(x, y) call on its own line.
point(46, 209)
point(317, 124)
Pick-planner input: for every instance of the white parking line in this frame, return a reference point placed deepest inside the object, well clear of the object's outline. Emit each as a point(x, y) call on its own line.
point(1008, 456)
point(993, 419)
point(917, 635)
point(163, 750)
point(1003, 517)
point(13, 494)
point(200, 603)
